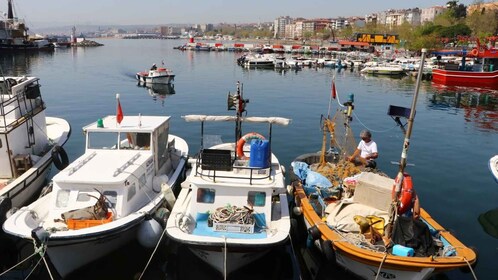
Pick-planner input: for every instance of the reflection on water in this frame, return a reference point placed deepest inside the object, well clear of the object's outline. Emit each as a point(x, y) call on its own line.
point(21, 64)
point(480, 105)
point(489, 222)
point(159, 91)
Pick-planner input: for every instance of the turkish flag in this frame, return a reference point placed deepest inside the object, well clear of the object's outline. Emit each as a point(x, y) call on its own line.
point(119, 113)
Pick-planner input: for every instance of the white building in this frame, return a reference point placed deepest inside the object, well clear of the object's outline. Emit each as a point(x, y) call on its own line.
point(279, 26)
point(429, 14)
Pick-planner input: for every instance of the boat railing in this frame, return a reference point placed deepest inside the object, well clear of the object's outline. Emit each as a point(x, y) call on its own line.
point(212, 161)
point(15, 108)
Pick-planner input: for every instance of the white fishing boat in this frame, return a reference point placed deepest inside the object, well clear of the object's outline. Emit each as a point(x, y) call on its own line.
point(233, 206)
point(29, 142)
point(493, 167)
point(109, 195)
point(155, 75)
point(388, 69)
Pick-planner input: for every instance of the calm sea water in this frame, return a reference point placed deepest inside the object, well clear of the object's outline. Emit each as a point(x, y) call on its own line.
point(455, 133)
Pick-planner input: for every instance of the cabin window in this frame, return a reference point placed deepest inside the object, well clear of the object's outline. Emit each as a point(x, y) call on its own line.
point(205, 195)
point(111, 198)
point(0, 143)
point(62, 198)
point(84, 196)
point(162, 143)
point(135, 140)
point(100, 140)
point(142, 181)
point(256, 198)
point(131, 191)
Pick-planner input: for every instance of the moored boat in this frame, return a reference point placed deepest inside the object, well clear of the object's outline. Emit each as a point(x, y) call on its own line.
point(482, 73)
point(393, 70)
point(359, 218)
point(14, 35)
point(493, 167)
point(107, 197)
point(233, 207)
point(29, 142)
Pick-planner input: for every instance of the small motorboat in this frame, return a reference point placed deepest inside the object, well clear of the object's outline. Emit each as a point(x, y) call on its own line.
point(233, 207)
point(493, 167)
point(156, 75)
point(29, 142)
point(118, 190)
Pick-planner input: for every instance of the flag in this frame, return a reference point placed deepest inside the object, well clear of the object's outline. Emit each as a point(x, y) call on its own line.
point(334, 93)
point(119, 111)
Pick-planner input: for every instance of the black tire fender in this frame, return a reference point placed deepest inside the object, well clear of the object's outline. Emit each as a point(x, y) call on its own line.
point(59, 157)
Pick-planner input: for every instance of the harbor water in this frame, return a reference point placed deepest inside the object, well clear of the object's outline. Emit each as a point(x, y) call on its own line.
point(454, 135)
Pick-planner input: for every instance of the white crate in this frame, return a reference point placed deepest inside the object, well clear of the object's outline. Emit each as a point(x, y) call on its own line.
point(235, 228)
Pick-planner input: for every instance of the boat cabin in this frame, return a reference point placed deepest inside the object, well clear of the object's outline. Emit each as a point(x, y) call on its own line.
point(121, 161)
point(23, 134)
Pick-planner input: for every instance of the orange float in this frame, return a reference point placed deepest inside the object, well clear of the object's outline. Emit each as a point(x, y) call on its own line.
point(243, 140)
point(405, 196)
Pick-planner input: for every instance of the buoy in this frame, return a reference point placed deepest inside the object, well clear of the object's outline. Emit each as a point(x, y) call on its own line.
point(149, 233)
point(314, 232)
point(162, 215)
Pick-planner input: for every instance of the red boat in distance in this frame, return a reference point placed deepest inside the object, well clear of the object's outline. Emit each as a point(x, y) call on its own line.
point(482, 73)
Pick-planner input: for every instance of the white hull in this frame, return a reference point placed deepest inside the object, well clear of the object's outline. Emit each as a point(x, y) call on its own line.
point(232, 260)
point(493, 167)
point(157, 80)
point(23, 188)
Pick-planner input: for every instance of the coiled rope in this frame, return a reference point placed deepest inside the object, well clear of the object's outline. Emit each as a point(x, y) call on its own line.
point(233, 215)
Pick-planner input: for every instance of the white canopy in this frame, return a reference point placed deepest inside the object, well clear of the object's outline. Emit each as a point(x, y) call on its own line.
point(204, 118)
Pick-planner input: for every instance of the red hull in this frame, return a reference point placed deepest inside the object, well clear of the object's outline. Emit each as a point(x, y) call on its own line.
point(465, 78)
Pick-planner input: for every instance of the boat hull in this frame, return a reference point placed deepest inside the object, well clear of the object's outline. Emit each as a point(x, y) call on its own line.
point(465, 78)
point(234, 258)
point(493, 167)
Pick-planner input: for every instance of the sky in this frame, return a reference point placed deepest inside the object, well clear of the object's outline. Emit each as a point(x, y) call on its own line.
point(161, 12)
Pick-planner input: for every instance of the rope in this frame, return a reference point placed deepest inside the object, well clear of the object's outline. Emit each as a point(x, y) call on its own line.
point(373, 130)
point(470, 267)
point(225, 260)
point(153, 252)
point(380, 266)
point(18, 264)
point(233, 214)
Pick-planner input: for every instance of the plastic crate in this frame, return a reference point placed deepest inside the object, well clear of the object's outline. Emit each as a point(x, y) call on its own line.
point(79, 224)
point(234, 228)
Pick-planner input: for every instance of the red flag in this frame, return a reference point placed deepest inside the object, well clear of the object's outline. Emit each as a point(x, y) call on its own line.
point(334, 93)
point(119, 113)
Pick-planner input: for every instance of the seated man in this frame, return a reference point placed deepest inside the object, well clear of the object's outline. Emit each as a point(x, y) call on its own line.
point(366, 152)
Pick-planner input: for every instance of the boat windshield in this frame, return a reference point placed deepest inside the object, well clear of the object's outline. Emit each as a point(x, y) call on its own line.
point(126, 140)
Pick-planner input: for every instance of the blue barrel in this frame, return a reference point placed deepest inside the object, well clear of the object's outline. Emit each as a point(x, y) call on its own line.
point(260, 153)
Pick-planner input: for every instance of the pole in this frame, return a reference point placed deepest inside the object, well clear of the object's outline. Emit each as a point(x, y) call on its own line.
point(402, 163)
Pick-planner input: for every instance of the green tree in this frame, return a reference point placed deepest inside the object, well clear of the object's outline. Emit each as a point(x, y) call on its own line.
point(483, 22)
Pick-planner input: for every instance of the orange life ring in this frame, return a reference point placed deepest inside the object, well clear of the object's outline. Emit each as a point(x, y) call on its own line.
point(405, 195)
point(243, 140)
point(474, 52)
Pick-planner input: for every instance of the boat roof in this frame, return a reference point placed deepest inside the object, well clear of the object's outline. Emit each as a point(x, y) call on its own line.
point(204, 118)
point(104, 167)
point(129, 123)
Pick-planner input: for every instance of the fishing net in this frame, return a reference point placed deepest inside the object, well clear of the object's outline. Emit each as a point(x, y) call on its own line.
point(341, 145)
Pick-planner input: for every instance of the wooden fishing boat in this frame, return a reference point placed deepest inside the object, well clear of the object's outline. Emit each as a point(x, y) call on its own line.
point(107, 197)
point(233, 207)
point(358, 218)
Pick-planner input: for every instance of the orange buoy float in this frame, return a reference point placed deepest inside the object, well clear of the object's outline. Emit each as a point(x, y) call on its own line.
point(405, 195)
point(474, 52)
point(243, 140)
